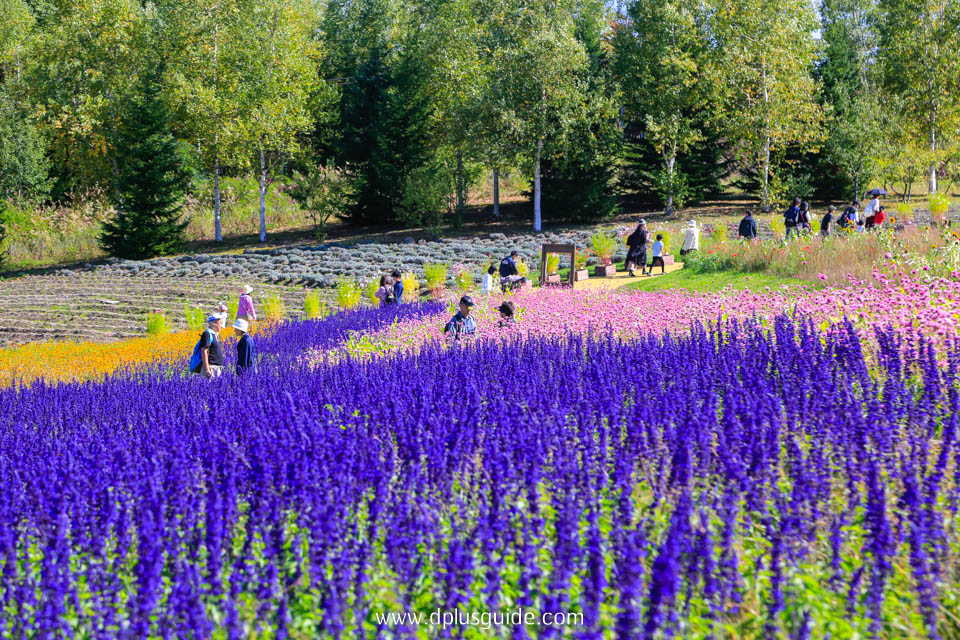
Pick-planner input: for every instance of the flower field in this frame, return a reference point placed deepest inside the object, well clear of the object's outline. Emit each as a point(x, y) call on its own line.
point(763, 479)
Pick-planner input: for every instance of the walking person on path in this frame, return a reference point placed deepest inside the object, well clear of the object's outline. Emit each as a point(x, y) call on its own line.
point(827, 220)
point(245, 310)
point(246, 350)
point(658, 256)
point(637, 249)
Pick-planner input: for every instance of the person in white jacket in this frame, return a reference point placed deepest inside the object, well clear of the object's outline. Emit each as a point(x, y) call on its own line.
point(486, 286)
point(691, 238)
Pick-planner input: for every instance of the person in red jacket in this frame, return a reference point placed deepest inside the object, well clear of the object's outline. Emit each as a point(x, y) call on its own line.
point(879, 217)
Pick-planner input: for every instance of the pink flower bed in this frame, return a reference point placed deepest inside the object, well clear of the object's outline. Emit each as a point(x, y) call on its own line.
point(930, 308)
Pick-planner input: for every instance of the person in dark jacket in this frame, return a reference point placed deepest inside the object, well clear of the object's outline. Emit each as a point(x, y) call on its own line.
point(637, 248)
point(791, 218)
point(246, 350)
point(748, 226)
point(803, 218)
point(397, 285)
point(827, 221)
point(508, 266)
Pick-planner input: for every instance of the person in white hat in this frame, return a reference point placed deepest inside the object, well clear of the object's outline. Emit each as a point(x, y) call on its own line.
point(691, 238)
point(246, 350)
point(245, 310)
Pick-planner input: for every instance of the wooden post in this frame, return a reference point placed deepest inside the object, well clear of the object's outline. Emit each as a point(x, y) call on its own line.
point(569, 249)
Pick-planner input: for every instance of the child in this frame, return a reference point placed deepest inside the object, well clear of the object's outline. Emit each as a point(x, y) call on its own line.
point(487, 286)
point(397, 286)
point(658, 255)
point(385, 293)
point(246, 351)
point(506, 315)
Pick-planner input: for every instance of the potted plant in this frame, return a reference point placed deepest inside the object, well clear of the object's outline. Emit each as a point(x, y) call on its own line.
point(553, 266)
point(939, 205)
point(580, 265)
point(604, 246)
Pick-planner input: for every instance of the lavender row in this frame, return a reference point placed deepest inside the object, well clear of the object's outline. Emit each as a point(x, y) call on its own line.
point(734, 484)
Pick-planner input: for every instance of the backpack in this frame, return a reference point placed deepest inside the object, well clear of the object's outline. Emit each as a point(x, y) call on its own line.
point(196, 360)
point(790, 217)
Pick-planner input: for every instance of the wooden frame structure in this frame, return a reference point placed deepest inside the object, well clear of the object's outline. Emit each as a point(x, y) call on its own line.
point(569, 249)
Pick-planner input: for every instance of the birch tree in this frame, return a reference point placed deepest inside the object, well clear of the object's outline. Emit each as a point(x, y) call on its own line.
point(919, 44)
point(664, 65)
point(768, 56)
point(278, 74)
point(538, 77)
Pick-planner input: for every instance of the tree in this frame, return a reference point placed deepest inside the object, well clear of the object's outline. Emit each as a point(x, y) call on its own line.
point(665, 65)
point(15, 33)
point(151, 181)
point(919, 40)
point(768, 54)
point(279, 73)
point(385, 105)
point(540, 79)
point(203, 45)
point(23, 165)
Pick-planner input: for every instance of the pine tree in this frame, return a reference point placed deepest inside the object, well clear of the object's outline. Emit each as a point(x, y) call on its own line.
point(151, 181)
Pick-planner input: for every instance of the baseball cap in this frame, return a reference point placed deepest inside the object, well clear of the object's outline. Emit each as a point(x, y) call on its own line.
point(467, 300)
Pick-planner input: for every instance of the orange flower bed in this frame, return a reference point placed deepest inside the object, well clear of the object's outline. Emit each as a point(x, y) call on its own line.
point(81, 361)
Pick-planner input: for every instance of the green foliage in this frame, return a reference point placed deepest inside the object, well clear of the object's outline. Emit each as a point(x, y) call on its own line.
point(939, 204)
point(157, 323)
point(348, 293)
point(273, 307)
point(905, 212)
point(604, 245)
point(324, 192)
point(778, 225)
point(196, 318)
point(312, 307)
point(370, 292)
point(463, 278)
point(553, 263)
point(411, 286)
point(150, 184)
point(23, 164)
point(666, 240)
point(436, 275)
point(719, 233)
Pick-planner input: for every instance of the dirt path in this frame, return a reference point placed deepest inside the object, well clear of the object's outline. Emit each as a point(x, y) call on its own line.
point(622, 278)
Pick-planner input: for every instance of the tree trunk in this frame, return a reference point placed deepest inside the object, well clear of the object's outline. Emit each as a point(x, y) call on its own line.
point(766, 171)
point(537, 217)
point(670, 163)
point(933, 163)
point(218, 230)
point(263, 198)
point(496, 193)
point(461, 196)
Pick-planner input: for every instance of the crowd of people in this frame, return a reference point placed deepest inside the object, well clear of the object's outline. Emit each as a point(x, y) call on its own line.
point(798, 219)
point(208, 354)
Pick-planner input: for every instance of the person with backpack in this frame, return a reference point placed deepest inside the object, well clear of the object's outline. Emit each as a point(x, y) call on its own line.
point(791, 218)
point(637, 249)
point(246, 350)
point(848, 219)
point(207, 359)
point(803, 218)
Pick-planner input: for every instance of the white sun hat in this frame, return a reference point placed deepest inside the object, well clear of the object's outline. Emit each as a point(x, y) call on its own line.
point(246, 288)
point(241, 325)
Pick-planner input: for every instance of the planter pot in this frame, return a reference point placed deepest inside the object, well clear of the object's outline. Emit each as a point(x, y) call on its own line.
point(553, 278)
point(580, 275)
point(668, 259)
point(605, 272)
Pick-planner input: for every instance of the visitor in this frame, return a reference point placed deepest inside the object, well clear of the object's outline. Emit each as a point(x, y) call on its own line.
point(871, 209)
point(861, 226)
point(486, 287)
point(246, 351)
point(637, 249)
point(826, 221)
point(791, 218)
point(880, 217)
point(658, 256)
point(207, 357)
point(803, 218)
point(691, 238)
point(462, 323)
point(385, 292)
point(748, 226)
point(510, 277)
point(507, 318)
point(848, 219)
point(245, 310)
point(397, 286)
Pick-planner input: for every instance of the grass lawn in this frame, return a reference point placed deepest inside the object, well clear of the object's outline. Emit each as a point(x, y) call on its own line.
point(711, 281)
